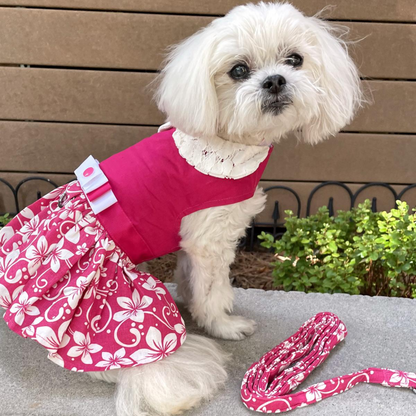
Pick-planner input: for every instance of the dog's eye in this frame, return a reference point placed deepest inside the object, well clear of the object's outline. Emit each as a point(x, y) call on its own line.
point(239, 72)
point(294, 60)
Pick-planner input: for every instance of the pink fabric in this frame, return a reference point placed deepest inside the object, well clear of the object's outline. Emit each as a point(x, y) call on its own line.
point(67, 276)
point(267, 384)
point(99, 191)
point(155, 188)
point(65, 283)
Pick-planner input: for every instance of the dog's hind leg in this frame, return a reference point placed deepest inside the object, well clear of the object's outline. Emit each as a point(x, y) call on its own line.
point(174, 384)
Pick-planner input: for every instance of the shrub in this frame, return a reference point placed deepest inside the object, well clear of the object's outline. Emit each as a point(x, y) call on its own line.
point(356, 252)
point(4, 219)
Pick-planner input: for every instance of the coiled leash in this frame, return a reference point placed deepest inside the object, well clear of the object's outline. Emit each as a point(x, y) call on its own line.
point(267, 384)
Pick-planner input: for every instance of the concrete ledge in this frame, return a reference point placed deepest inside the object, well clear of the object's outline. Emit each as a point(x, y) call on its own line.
point(382, 333)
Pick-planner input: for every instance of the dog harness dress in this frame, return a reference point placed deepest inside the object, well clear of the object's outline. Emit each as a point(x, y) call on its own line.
point(67, 262)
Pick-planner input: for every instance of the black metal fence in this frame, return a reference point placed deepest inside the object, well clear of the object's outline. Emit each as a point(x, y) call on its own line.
point(276, 221)
point(15, 190)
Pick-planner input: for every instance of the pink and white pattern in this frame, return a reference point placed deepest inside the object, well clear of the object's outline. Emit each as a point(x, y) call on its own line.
point(66, 284)
point(267, 384)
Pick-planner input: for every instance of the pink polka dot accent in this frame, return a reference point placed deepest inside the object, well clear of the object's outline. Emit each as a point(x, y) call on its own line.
point(88, 172)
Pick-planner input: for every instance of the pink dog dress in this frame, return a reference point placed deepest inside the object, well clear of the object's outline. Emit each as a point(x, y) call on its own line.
point(67, 262)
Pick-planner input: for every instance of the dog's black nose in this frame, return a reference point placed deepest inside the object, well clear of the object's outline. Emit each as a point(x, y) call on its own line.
point(274, 84)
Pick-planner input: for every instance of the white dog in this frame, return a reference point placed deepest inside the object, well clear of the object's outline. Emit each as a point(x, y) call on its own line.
point(251, 77)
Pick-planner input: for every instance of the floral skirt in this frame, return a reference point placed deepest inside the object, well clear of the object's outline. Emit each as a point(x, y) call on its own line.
point(66, 284)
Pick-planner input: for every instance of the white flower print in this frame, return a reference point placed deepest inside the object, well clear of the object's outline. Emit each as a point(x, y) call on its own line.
point(47, 337)
point(5, 234)
point(313, 393)
point(107, 244)
point(31, 227)
point(81, 249)
point(86, 224)
point(180, 329)
point(89, 223)
point(402, 378)
point(29, 331)
point(5, 299)
point(152, 285)
point(90, 230)
point(27, 213)
point(70, 211)
point(104, 271)
point(84, 348)
point(24, 306)
point(111, 361)
point(79, 272)
point(8, 261)
point(132, 307)
point(54, 193)
point(94, 279)
point(159, 348)
point(37, 254)
point(58, 253)
point(56, 358)
point(73, 234)
point(131, 274)
point(295, 381)
point(74, 293)
point(46, 224)
point(340, 332)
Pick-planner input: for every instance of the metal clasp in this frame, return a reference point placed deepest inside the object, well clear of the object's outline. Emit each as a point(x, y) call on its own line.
point(61, 200)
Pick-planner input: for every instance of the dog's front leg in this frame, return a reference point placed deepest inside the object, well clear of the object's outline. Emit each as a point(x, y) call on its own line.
point(209, 240)
point(211, 294)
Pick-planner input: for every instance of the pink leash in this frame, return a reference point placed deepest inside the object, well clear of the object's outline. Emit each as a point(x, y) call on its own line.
point(267, 383)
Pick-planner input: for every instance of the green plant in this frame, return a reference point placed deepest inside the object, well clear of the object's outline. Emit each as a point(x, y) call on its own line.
point(4, 219)
point(356, 252)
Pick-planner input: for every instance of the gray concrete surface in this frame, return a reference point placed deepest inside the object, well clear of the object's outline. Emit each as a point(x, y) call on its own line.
point(382, 333)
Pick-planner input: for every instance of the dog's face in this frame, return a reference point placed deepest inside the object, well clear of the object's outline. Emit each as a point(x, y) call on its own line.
point(258, 73)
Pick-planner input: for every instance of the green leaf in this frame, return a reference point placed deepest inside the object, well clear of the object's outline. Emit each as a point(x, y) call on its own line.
point(373, 256)
point(333, 254)
point(332, 246)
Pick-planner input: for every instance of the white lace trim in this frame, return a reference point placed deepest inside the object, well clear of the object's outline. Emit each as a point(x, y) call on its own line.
point(218, 157)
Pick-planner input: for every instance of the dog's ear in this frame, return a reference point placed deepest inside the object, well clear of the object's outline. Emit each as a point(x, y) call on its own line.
point(185, 87)
point(337, 79)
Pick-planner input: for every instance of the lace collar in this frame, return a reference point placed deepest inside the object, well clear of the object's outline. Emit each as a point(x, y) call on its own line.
point(218, 157)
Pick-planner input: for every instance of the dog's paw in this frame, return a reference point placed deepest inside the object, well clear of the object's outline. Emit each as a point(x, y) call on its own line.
point(232, 327)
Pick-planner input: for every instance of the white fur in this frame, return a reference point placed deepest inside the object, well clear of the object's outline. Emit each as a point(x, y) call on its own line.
point(199, 98)
point(209, 239)
point(176, 383)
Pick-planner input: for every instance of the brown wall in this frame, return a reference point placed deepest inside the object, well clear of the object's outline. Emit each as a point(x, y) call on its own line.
point(73, 75)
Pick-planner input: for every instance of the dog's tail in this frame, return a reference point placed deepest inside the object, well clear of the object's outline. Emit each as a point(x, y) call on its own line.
point(179, 382)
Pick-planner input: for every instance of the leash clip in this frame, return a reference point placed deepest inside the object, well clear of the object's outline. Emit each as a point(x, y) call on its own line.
point(61, 200)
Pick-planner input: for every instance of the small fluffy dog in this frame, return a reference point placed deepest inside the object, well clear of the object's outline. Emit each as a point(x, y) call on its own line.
point(251, 77)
